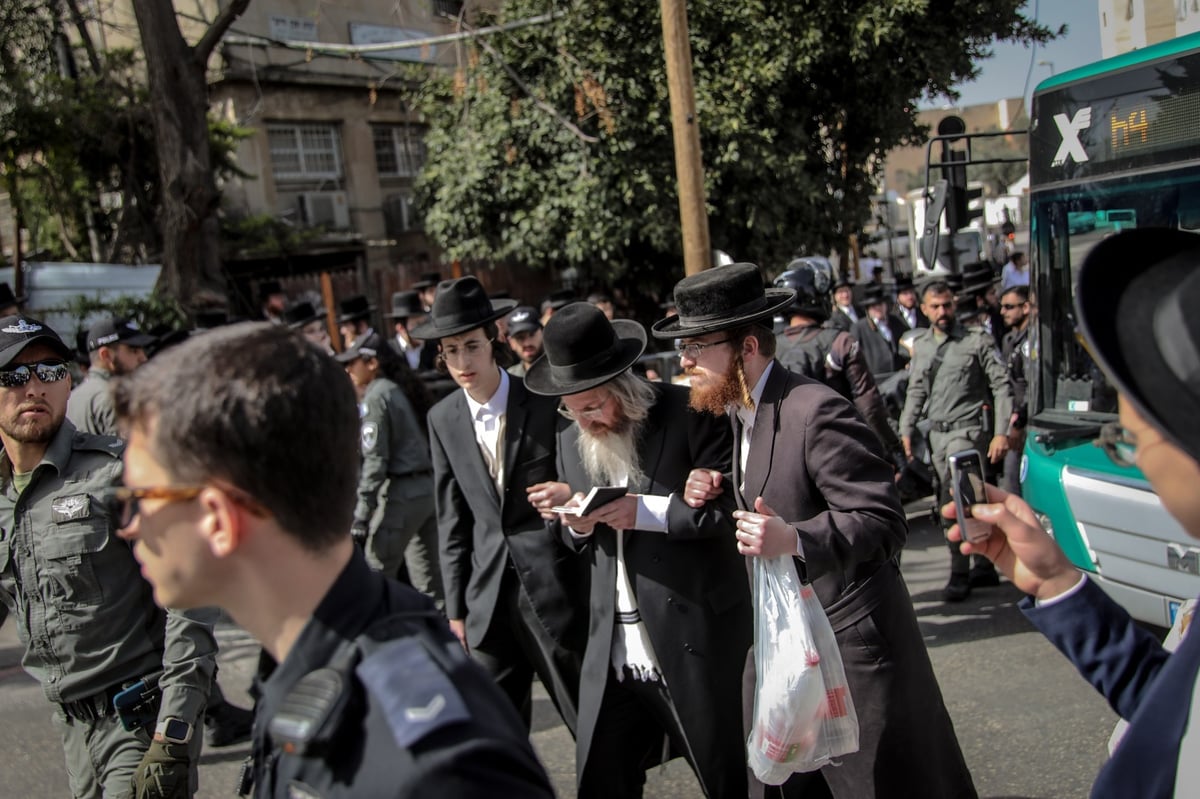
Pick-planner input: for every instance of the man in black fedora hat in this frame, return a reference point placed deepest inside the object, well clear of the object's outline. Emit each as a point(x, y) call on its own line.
point(512, 594)
point(272, 301)
point(844, 313)
point(878, 333)
point(811, 481)
point(670, 603)
point(1134, 302)
point(309, 321)
point(407, 313)
point(426, 287)
point(354, 323)
point(907, 305)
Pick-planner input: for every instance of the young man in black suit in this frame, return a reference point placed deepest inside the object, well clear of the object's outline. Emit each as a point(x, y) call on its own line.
point(512, 594)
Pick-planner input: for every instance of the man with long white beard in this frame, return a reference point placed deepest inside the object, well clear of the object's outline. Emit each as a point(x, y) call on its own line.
point(670, 600)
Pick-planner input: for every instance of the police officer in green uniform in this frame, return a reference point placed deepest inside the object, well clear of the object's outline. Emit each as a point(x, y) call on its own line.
point(395, 518)
point(953, 370)
point(116, 347)
point(373, 696)
point(88, 620)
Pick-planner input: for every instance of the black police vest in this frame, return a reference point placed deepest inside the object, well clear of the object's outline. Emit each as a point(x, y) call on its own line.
point(808, 355)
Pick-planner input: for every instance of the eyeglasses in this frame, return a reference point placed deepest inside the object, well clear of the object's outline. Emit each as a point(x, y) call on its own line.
point(469, 350)
point(46, 371)
point(123, 503)
point(1118, 443)
point(692, 351)
point(591, 414)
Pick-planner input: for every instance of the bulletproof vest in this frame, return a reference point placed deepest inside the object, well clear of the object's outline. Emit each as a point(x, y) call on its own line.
point(808, 354)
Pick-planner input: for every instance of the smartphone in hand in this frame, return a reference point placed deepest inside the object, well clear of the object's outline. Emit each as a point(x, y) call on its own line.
point(966, 482)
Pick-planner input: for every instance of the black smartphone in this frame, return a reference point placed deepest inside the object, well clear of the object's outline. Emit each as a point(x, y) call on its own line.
point(966, 482)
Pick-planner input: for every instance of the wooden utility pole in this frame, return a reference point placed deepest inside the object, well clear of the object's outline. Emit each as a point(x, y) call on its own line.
point(689, 167)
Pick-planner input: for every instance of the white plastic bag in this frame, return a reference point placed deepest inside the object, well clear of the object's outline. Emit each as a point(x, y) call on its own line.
point(803, 713)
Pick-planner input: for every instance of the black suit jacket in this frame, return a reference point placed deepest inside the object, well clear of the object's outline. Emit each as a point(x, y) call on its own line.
point(690, 582)
point(481, 531)
point(819, 466)
point(881, 355)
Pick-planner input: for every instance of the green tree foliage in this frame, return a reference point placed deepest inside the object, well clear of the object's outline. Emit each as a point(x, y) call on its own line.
point(551, 144)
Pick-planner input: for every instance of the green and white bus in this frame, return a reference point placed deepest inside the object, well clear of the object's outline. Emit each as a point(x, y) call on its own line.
point(1113, 145)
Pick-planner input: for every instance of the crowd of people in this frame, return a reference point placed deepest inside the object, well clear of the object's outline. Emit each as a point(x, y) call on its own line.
point(411, 554)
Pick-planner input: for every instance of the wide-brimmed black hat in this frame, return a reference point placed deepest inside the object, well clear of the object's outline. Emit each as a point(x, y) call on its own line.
point(18, 332)
point(406, 304)
point(427, 281)
point(1136, 299)
point(301, 313)
point(354, 308)
point(719, 299)
point(583, 349)
point(557, 300)
point(875, 293)
point(841, 282)
point(904, 283)
point(977, 279)
point(460, 305)
point(268, 288)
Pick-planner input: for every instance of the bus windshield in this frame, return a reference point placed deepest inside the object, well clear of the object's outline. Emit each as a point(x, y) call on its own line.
point(1067, 222)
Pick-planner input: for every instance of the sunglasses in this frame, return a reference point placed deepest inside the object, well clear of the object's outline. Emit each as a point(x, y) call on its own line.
point(46, 371)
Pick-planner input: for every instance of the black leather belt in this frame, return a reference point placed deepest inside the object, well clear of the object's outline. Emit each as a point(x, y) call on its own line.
point(91, 708)
point(949, 427)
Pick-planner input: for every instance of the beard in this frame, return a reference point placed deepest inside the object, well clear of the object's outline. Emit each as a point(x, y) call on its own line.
point(731, 391)
point(609, 455)
point(32, 431)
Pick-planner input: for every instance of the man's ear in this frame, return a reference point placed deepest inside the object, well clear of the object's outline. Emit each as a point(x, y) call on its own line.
point(222, 524)
point(750, 346)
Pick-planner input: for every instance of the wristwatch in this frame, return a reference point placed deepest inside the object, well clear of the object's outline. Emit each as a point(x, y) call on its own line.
point(173, 730)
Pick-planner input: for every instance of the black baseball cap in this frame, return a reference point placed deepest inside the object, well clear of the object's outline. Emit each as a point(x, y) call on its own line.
point(523, 319)
point(18, 332)
point(115, 330)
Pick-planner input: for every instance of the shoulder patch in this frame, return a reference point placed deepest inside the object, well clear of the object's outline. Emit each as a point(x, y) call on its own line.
point(370, 436)
point(416, 695)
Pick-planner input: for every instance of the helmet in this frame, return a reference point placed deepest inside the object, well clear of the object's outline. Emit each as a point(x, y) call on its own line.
point(811, 284)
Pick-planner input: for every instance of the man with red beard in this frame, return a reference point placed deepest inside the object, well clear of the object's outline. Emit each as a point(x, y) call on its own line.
point(84, 612)
point(810, 481)
point(670, 602)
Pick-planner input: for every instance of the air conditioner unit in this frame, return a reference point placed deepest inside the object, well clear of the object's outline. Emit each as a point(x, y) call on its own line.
point(327, 209)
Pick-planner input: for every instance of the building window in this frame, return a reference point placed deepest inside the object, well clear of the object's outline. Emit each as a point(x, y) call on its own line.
point(399, 150)
point(401, 215)
point(305, 151)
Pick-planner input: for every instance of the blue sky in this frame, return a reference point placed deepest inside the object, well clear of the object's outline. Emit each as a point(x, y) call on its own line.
point(1003, 75)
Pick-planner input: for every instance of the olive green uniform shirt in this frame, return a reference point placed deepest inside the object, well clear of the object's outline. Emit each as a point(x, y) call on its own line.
point(90, 406)
point(970, 367)
point(393, 443)
point(83, 611)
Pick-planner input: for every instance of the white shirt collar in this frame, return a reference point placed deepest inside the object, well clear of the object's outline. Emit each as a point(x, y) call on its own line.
point(496, 404)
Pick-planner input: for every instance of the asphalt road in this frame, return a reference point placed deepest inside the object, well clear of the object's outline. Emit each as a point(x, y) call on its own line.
point(1029, 727)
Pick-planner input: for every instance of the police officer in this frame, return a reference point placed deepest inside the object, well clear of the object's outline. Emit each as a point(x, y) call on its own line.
point(394, 517)
point(953, 368)
point(116, 347)
point(373, 696)
point(88, 620)
point(829, 354)
point(1018, 354)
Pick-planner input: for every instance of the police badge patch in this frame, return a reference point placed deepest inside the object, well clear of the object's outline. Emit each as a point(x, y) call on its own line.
point(65, 509)
point(370, 436)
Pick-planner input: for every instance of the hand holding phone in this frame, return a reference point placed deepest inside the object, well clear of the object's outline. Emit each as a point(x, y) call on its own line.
point(966, 482)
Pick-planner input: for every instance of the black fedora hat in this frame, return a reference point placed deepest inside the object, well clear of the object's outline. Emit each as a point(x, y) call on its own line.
point(427, 280)
point(1136, 299)
point(840, 283)
point(584, 350)
point(460, 305)
point(269, 288)
point(300, 313)
point(719, 299)
point(904, 283)
point(354, 308)
point(406, 304)
point(874, 294)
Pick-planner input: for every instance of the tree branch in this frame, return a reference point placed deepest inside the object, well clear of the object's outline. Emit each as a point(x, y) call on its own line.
point(203, 48)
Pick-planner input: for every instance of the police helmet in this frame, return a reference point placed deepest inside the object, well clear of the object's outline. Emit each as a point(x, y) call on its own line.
point(811, 284)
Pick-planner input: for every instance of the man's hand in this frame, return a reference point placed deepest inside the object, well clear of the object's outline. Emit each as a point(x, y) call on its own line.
point(544, 496)
point(906, 442)
point(579, 525)
point(163, 772)
point(763, 533)
point(620, 514)
point(459, 628)
point(997, 449)
point(1018, 545)
point(702, 485)
point(1016, 439)
point(358, 534)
